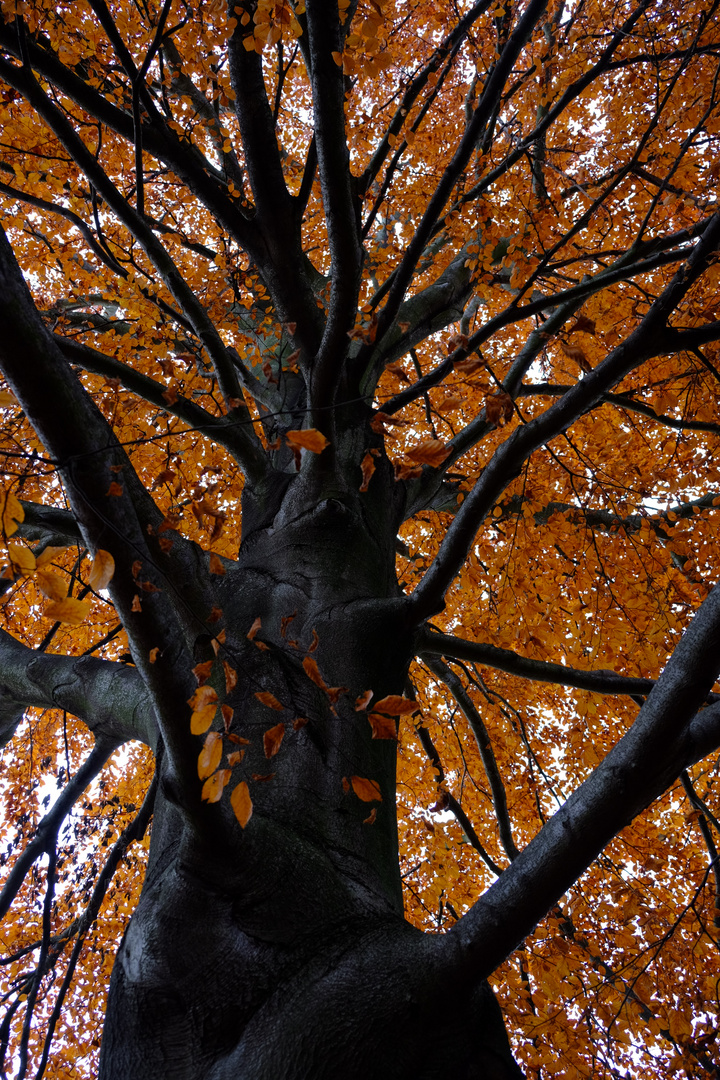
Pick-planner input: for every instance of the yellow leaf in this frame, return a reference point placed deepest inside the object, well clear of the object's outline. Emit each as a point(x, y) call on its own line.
point(68, 610)
point(309, 439)
point(272, 739)
point(7, 399)
point(202, 718)
point(213, 788)
point(209, 757)
point(12, 514)
point(48, 554)
point(51, 585)
point(242, 803)
point(22, 558)
point(102, 570)
point(367, 790)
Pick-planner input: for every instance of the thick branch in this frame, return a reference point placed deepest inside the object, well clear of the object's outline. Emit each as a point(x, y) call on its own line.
point(110, 698)
point(668, 735)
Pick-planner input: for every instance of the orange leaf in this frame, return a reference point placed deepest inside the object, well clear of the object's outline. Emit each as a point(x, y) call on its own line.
point(254, 629)
point(68, 610)
point(272, 739)
point(202, 718)
point(51, 585)
point(383, 727)
point(212, 789)
point(395, 705)
point(48, 554)
point(363, 701)
point(242, 803)
point(307, 439)
point(367, 790)
point(299, 722)
point(499, 409)
point(209, 757)
point(12, 514)
point(22, 558)
point(268, 699)
point(114, 489)
point(574, 352)
point(370, 819)
point(153, 655)
point(136, 605)
point(102, 570)
point(235, 757)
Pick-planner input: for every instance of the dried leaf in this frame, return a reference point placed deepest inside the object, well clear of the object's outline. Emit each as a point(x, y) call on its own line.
point(136, 605)
point(254, 629)
point(470, 365)
point(213, 788)
point(209, 757)
point(574, 352)
point(115, 489)
point(235, 757)
point(266, 698)
point(368, 468)
point(231, 677)
point(272, 739)
point(202, 672)
point(363, 701)
point(499, 409)
point(370, 819)
point(68, 610)
point(367, 790)
point(227, 715)
point(242, 803)
point(383, 727)
point(395, 705)
point(204, 695)
point(299, 722)
point(153, 655)
point(313, 672)
point(429, 452)
point(307, 439)
point(102, 570)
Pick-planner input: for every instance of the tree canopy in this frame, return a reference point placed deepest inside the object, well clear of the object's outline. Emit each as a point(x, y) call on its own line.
point(360, 446)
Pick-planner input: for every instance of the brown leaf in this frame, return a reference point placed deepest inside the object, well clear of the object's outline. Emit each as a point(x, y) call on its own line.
point(383, 727)
point(368, 468)
point(499, 409)
point(308, 439)
point(136, 605)
point(398, 372)
point(227, 715)
point(285, 622)
point(266, 698)
point(235, 757)
point(299, 722)
point(272, 739)
point(215, 565)
point(254, 629)
point(363, 701)
point(367, 790)
point(370, 819)
point(469, 366)
point(115, 489)
point(202, 672)
point(204, 695)
point(313, 672)
point(584, 324)
point(242, 803)
point(429, 452)
point(574, 352)
point(395, 705)
point(231, 677)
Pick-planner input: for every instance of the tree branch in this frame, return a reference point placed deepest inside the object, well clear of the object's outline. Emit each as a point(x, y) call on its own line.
point(645, 341)
point(668, 735)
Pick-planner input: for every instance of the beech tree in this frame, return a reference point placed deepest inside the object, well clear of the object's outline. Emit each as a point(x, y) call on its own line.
point(359, 505)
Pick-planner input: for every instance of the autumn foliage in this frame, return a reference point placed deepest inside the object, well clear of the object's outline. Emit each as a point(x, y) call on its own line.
point(456, 264)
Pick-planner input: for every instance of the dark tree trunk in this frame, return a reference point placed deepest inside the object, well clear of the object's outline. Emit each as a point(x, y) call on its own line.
point(281, 950)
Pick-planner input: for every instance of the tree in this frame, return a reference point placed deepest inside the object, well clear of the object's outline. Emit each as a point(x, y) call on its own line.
point(423, 298)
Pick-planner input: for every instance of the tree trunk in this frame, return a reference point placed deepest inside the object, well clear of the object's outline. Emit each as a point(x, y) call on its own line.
point(281, 950)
